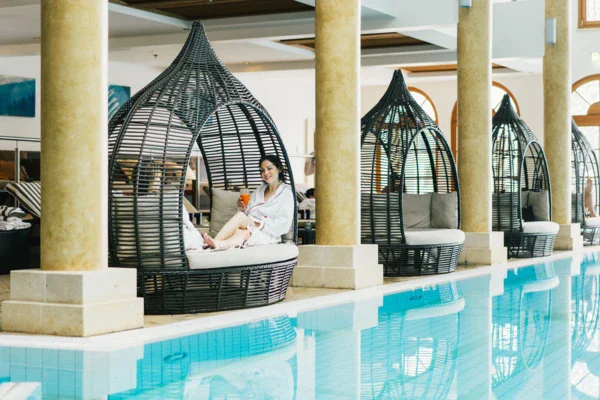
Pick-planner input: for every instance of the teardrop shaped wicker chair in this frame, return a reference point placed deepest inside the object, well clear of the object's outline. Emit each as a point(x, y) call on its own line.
point(413, 351)
point(520, 327)
point(151, 137)
point(521, 183)
point(584, 166)
point(410, 198)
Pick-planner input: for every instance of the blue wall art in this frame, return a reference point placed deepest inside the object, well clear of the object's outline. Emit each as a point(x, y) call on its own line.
point(117, 96)
point(17, 96)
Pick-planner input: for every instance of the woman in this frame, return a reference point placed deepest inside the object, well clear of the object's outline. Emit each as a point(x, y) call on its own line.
point(269, 213)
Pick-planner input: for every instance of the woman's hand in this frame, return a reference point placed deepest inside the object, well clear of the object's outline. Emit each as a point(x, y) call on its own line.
point(241, 205)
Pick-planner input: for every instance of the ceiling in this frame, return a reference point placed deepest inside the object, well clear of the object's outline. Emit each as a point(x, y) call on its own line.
point(208, 9)
point(263, 35)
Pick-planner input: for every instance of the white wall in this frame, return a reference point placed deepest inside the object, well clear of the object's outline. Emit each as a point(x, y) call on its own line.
point(133, 75)
point(584, 42)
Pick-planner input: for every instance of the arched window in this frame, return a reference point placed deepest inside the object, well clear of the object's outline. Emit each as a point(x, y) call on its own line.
point(498, 92)
point(424, 102)
point(585, 108)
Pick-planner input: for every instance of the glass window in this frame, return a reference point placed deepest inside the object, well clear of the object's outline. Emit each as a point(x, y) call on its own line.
point(589, 13)
point(425, 102)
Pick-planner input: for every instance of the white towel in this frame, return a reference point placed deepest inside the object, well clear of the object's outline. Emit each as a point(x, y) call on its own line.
point(13, 223)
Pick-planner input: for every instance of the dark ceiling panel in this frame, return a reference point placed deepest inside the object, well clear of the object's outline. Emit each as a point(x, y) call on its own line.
point(372, 41)
point(203, 9)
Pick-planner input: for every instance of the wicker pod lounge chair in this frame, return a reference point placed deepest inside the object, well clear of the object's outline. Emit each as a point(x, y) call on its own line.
point(584, 166)
point(195, 100)
point(410, 202)
point(522, 199)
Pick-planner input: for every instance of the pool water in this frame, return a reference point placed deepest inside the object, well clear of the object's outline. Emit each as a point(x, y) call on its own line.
point(532, 335)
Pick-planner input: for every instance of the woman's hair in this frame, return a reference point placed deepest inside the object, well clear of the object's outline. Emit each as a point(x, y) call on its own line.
point(276, 162)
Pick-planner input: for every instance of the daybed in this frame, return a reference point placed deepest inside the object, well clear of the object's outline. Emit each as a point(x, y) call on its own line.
point(584, 166)
point(522, 199)
point(410, 197)
point(151, 137)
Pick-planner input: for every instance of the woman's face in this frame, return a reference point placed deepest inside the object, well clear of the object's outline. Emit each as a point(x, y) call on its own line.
point(269, 172)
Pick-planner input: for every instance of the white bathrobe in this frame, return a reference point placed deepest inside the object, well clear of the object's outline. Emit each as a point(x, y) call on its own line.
point(275, 216)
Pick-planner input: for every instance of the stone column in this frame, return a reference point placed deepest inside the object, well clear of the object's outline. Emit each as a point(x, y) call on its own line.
point(474, 49)
point(557, 124)
point(75, 292)
point(338, 259)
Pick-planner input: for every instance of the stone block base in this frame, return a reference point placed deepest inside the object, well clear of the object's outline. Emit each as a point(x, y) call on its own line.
point(569, 238)
point(73, 303)
point(338, 267)
point(483, 248)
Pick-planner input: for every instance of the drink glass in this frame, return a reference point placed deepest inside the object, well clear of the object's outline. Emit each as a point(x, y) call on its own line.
point(245, 195)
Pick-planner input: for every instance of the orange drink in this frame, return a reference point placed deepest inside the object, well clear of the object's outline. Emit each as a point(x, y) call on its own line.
point(245, 195)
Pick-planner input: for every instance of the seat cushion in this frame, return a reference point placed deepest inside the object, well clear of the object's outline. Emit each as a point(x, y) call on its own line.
point(444, 210)
point(29, 194)
point(592, 221)
point(416, 209)
point(540, 227)
point(426, 236)
point(254, 255)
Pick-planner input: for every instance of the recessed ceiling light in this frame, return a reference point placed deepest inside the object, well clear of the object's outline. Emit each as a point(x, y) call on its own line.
point(246, 63)
point(37, 38)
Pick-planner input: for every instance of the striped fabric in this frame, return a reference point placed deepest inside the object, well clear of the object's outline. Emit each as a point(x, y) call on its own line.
point(29, 194)
point(7, 212)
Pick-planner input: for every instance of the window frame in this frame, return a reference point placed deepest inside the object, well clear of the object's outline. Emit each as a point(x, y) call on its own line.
point(582, 21)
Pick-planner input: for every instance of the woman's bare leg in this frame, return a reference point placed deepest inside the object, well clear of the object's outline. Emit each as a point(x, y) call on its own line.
point(238, 221)
point(238, 238)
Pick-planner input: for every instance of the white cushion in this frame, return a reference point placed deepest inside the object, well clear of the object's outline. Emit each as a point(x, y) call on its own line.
point(540, 227)
point(592, 221)
point(444, 210)
point(416, 210)
point(224, 206)
point(540, 203)
point(240, 257)
point(426, 236)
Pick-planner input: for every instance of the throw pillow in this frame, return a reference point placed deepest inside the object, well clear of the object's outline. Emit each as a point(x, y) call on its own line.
point(524, 198)
point(540, 202)
point(444, 210)
point(416, 210)
point(224, 206)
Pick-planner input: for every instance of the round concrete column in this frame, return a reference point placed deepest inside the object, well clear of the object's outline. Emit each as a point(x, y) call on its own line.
point(557, 110)
point(474, 115)
point(74, 233)
point(337, 29)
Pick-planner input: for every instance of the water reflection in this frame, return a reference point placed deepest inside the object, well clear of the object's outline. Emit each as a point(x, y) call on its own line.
point(527, 333)
point(412, 352)
point(585, 313)
point(520, 323)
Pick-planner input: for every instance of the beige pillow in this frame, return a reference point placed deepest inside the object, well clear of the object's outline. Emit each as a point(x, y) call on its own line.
point(416, 210)
point(224, 206)
point(540, 202)
point(444, 210)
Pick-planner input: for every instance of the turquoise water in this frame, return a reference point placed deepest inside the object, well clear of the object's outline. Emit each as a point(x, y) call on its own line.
point(532, 335)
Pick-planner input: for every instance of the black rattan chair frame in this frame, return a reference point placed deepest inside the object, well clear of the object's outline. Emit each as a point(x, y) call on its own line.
point(413, 157)
point(584, 165)
point(518, 164)
point(195, 100)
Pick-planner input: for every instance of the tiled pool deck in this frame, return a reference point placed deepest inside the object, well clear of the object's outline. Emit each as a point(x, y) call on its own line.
point(299, 293)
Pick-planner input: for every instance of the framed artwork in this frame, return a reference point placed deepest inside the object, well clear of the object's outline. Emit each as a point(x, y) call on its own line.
point(17, 96)
point(117, 96)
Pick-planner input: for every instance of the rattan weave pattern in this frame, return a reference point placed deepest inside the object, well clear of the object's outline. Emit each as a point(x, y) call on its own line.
point(518, 164)
point(584, 164)
point(403, 151)
point(195, 100)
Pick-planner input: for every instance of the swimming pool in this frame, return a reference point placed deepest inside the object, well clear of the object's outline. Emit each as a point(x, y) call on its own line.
point(533, 334)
